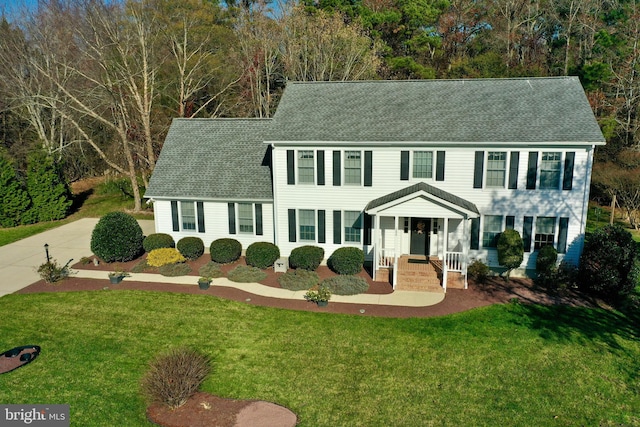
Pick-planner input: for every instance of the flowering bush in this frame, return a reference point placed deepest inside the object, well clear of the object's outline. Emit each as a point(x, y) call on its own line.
point(164, 256)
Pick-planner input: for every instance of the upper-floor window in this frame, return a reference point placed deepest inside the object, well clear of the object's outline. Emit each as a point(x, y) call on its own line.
point(352, 226)
point(352, 167)
point(423, 164)
point(545, 231)
point(245, 217)
point(307, 224)
point(492, 227)
point(305, 166)
point(550, 166)
point(496, 168)
point(188, 214)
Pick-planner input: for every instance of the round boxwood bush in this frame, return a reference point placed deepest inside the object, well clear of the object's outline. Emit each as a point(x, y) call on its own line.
point(346, 285)
point(158, 241)
point(346, 260)
point(306, 257)
point(191, 247)
point(225, 250)
point(117, 237)
point(262, 254)
point(298, 280)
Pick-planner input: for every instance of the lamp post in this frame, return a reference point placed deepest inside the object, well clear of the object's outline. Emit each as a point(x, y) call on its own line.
point(46, 251)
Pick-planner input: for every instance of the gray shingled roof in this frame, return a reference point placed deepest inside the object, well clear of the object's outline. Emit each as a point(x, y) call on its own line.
point(214, 159)
point(421, 186)
point(476, 110)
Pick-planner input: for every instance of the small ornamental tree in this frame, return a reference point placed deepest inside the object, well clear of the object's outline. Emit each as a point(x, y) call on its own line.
point(117, 237)
point(510, 250)
point(608, 265)
point(14, 200)
point(49, 192)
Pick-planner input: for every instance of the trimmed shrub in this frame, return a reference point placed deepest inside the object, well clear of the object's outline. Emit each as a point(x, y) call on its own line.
point(346, 285)
point(347, 260)
point(262, 254)
point(306, 257)
point(510, 250)
point(164, 256)
point(298, 280)
point(117, 237)
point(175, 270)
point(479, 271)
point(211, 269)
point(191, 247)
point(246, 274)
point(608, 265)
point(176, 376)
point(225, 250)
point(546, 265)
point(157, 241)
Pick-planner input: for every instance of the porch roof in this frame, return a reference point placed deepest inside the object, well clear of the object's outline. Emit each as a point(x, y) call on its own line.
point(422, 187)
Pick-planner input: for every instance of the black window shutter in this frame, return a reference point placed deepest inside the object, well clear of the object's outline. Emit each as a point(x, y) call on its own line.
point(514, 161)
point(440, 166)
point(320, 165)
point(562, 235)
point(367, 229)
point(532, 171)
point(291, 171)
point(337, 227)
point(475, 233)
point(258, 210)
point(232, 218)
point(174, 215)
point(292, 225)
point(569, 160)
point(368, 168)
point(478, 169)
point(200, 209)
point(526, 233)
point(336, 168)
point(322, 230)
point(510, 223)
point(404, 165)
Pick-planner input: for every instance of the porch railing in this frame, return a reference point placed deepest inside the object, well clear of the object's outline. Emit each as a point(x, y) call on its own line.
point(454, 261)
point(385, 257)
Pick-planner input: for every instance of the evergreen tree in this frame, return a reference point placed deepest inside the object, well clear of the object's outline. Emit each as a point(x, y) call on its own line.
point(49, 191)
point(14, 199)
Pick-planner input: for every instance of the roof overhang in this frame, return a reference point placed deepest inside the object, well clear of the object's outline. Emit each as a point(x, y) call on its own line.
point(475, 144)
point(456, 206)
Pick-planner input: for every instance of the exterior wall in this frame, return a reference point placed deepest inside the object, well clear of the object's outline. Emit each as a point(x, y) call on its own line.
point(216, 219)
point(458, 180)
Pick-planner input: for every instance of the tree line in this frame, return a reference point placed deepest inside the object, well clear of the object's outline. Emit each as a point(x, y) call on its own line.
point(95, 83)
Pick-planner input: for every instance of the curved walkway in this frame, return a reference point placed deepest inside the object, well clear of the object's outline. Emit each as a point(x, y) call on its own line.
point(20, 260)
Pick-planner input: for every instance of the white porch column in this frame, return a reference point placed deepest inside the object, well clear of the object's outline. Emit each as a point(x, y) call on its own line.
point(395, 251)
point(466, 239)
point(445, 248)
point(377, 242)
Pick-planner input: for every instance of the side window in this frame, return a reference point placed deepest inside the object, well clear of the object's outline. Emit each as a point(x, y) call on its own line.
point(245, 217)
point(496, 168)
point(491, 229)
point(188, 215)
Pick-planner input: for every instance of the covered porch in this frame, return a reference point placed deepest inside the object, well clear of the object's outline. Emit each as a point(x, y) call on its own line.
point(420, 238)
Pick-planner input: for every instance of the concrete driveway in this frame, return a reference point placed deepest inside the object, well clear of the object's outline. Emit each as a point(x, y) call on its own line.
point(20, 260)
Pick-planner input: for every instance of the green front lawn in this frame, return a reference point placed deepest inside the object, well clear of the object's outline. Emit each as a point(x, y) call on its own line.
point(496, 366)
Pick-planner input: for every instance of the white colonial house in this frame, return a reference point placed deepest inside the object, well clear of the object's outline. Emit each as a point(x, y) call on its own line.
point(419, 174)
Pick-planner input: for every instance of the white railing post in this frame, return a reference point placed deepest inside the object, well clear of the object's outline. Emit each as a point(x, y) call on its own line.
point(445, 269)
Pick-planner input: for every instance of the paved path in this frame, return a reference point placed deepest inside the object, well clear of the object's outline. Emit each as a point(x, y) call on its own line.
point(19, 261)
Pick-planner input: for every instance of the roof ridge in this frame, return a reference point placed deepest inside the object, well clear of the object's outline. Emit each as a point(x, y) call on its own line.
point(317, 82)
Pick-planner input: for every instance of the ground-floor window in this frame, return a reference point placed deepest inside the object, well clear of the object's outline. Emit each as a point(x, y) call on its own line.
point(352, 226)
point(491, 229)
point(245, 217)
point(545, 231)
point(307, 224)
point(187, 216)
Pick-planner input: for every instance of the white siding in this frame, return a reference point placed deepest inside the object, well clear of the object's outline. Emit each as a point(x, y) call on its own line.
point(459, 174)
point(216, 218)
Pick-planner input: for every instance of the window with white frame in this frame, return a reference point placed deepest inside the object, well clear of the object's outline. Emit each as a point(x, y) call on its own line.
point(545, 231)
point(550, 170)
point(307, 219)
point(305, 166)
point(352, 167)
point(491, 229)
point(352, 226)
point(496, 168)
point(188, 214)
point(423, 164)
point(245, 218)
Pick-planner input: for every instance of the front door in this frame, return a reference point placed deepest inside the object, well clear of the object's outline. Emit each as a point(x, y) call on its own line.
point(420, 232)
